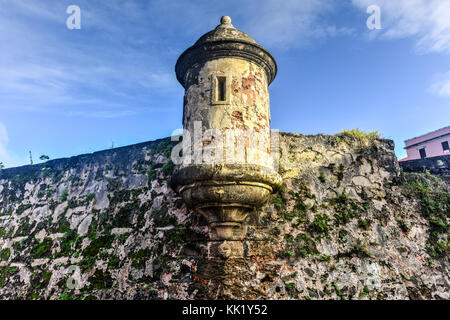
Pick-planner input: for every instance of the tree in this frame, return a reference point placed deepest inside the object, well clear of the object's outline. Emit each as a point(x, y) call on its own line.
point(1, 166)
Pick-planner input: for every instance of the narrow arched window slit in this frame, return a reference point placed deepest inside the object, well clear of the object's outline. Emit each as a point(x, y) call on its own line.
point(221, 88)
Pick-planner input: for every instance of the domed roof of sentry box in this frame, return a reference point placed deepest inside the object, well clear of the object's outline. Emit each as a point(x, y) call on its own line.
point(225, 31)
point(225, 41)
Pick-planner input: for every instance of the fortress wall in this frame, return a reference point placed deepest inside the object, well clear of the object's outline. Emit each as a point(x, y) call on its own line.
point(439, 166)
point(346, 224)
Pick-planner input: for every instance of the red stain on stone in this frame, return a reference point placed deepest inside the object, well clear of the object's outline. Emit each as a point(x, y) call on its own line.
point(238, 120)
point(248, 82)
point(237, 116)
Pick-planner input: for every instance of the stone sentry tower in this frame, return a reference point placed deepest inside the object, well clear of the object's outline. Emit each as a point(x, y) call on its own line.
point(231, 171)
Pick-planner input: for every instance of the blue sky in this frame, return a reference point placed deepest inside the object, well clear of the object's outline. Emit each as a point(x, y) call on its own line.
point(66, 92)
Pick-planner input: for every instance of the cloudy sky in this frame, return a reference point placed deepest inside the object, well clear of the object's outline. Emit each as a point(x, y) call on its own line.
point(66, 92)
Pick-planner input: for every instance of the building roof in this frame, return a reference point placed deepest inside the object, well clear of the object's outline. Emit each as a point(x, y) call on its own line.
point(427, 137)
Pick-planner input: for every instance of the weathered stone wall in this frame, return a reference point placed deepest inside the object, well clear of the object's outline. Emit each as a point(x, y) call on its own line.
point(347, 224)
point(439, 166)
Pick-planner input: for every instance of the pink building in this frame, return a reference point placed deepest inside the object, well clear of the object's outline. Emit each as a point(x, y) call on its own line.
point(429, 145)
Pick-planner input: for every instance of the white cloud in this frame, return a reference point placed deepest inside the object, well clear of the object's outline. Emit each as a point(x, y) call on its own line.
point(272, 23)
point(425, 21)
point(441, 87)
point(428, 21)
point(291, 23)
point(3, 142)
point(8, 159)
point(49, 68)
point(111, 113)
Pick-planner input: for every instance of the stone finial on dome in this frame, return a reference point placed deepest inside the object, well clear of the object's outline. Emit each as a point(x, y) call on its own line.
point(225, 19)
point(225, 22)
